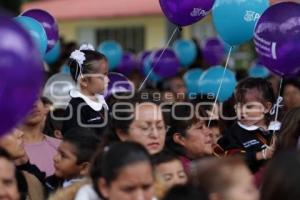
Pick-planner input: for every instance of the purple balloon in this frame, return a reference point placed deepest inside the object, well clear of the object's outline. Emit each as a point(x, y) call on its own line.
point(49, 23)
point(277, 38)
point(165, 65)
point(118, 83)
point(185, 12)
point(21, 70)
point(128, 64)
point(213, 52)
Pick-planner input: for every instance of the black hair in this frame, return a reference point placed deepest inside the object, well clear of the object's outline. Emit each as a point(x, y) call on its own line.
point(181, 119)
point(46, 101)
point(294, 82)
point(207, 102)
point(85, 142)
point(111, 160)
point(260, 84)
point(5, 154)
point(183, 192)
point(52, 122)
point(86, 67)
point(163, 157)
point(122, 120)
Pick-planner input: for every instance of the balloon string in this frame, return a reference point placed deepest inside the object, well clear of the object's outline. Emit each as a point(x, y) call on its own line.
point(219, 89)
point(277, 107)
point(166, 46)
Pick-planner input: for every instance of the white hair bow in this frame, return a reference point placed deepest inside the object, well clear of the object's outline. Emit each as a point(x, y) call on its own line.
point(78, 56)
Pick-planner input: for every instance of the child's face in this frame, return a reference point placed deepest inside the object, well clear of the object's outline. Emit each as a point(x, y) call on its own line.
point(252, 111)
point(172, 173)
point(242, 187)
point(98, 81)
point(134, 182)
point(65, 162)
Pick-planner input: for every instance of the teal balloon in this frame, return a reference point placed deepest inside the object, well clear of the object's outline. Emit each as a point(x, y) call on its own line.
point(53, 55)
point(36, 31)
point(186, 52)
point(211, 79)
point(235, 20)
point(113, 52)
point(258, 71)
point(147, 67)
point(233, 48)
point(65, 69)
point(191, 78)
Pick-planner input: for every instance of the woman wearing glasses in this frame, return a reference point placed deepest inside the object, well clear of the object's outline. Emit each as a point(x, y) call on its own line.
point(139, 119)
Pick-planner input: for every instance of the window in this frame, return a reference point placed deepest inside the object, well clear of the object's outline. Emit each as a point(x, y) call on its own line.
point(131, 38)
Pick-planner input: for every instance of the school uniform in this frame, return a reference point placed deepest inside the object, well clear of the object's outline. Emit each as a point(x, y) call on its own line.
point(84, 112)
point(246, 140)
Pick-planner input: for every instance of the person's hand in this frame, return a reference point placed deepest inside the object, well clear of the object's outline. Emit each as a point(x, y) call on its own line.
point(265, 154)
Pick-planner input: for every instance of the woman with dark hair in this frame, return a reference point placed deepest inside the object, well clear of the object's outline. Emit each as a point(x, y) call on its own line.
point(123, 171)
point(139, 119)
point(189, 137)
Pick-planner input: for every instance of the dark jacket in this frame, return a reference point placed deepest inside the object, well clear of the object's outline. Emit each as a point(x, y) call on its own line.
point(80, 114)
point(239, 140)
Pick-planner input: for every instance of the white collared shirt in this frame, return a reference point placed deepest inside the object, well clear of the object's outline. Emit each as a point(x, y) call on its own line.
point(96, 106)
point(273, 126)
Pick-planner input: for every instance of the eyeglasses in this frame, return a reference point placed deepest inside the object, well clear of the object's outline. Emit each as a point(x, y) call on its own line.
point(101, 76)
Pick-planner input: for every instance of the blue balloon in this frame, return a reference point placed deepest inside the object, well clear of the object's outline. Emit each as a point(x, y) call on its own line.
point(186, 51)
point(235, 20)
point(227, 48)
point(211, 79)
point(191, 79)
point(36, 30)
point(53, 55)
point(258, 71)
point(147, 67)
point(65, 69)
point(113, 52)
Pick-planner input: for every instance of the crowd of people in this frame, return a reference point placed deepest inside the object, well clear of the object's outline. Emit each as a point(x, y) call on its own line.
point(155, 143)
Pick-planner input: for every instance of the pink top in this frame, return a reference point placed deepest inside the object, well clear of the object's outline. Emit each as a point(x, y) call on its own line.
point(186, 163)
point(41, 154)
